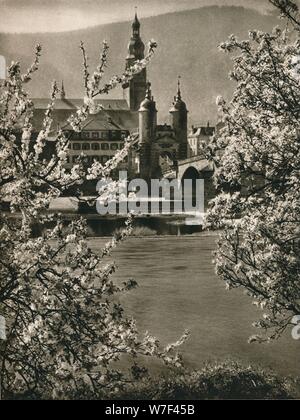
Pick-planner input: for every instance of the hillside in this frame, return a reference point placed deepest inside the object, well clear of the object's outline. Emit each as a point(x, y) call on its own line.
point(187, 46)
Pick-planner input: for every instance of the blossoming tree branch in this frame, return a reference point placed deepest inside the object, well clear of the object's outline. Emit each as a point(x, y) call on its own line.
point(65, 327)
point(257, 160)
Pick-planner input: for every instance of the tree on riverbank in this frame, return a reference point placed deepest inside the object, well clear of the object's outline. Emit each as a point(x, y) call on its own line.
point(257, 157)
point(65, 329)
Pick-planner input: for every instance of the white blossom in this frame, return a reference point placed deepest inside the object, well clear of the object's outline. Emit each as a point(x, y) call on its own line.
point(257, 159)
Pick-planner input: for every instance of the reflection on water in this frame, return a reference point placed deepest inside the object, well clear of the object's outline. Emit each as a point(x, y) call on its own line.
point(160, 225)
point(178, 290)
point(106, 226)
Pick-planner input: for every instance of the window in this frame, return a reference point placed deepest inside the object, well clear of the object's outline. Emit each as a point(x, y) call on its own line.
point(95, 146)
point(95, 135)
point(86, 146)
point(76, 146)
point(104, 159)
point(114, 146)
point(121, 145)
point(85, 135)
point(104, 146)
point(75, 135)
point(104, 135)
point(115, 135)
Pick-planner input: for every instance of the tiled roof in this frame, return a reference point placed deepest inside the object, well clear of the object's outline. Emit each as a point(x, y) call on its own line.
point(115, 116)
point(208, 131)
point(204, 131)
point(60, 118)
point(112, 120)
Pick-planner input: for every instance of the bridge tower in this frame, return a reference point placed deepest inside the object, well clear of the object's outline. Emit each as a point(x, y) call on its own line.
point(179, 122)
point(147, 129)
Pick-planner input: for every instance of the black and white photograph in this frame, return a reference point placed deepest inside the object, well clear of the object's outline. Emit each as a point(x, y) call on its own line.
point(149, 203)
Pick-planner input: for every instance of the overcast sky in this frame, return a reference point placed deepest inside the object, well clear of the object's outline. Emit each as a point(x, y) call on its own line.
point(65, 15)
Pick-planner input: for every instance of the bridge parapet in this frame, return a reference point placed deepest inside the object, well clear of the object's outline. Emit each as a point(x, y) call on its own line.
point(200, 164)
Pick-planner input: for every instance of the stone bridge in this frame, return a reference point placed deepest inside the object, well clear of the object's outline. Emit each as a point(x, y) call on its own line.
point(194, 168)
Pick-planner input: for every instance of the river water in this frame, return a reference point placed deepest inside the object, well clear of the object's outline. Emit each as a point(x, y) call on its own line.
point(178, 290)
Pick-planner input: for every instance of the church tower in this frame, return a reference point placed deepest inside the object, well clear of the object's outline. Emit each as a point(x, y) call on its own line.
point(179, 122)
point(134, 91)
point(147, 131)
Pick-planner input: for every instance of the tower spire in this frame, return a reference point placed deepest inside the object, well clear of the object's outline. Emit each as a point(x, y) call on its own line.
point(148, 91)
point(136, 24)
point(179, 121)
point(62, 91)
point(179, 88)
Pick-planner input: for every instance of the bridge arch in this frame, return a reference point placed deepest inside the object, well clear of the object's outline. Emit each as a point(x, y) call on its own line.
point(194, 169)
point(191, 172)
point(190, 190)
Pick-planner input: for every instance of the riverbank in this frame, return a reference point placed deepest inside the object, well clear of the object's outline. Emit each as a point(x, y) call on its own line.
point(106, 226)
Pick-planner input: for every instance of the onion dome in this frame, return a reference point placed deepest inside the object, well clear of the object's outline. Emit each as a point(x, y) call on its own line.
point(136, 47)
point(178, 104)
